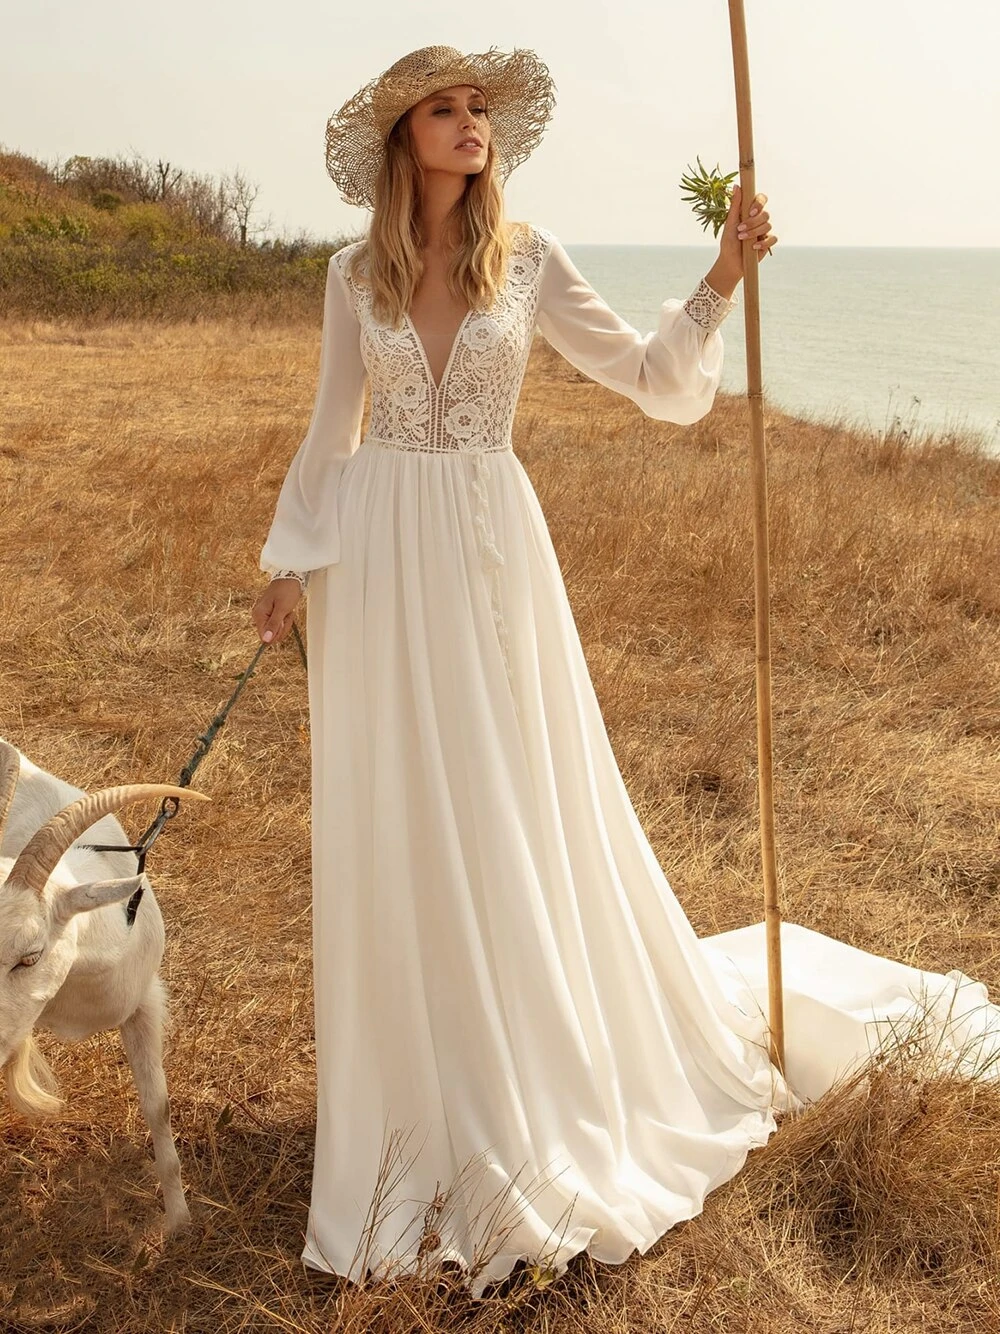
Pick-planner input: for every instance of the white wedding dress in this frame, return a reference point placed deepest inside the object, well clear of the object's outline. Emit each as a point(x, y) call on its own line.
point(514, 1017)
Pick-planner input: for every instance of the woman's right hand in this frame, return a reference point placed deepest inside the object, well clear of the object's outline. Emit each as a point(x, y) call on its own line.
point(273, 612)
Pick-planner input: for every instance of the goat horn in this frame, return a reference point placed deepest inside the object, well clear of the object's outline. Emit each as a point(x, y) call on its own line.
point(39, 856)
point(10, 768)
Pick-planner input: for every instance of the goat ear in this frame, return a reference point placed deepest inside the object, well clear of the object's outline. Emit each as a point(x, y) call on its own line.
point(98, 894)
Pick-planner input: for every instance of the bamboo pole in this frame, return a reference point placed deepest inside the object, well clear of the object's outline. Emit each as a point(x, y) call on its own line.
point(762, 595)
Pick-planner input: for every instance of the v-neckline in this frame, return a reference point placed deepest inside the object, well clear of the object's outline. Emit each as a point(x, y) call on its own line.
point(423, 352)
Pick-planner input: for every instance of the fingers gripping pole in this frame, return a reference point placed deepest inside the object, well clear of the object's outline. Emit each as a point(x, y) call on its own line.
point(762, 597)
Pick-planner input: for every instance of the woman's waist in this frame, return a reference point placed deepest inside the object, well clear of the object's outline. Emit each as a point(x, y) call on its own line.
point(449, 445)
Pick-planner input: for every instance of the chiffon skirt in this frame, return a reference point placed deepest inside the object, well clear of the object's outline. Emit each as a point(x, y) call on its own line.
point(523, 1048)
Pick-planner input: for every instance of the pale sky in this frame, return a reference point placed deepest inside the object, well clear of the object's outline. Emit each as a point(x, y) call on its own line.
point(875, 122)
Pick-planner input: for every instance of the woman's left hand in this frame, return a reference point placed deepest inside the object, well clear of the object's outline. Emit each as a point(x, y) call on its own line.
point(757, 229)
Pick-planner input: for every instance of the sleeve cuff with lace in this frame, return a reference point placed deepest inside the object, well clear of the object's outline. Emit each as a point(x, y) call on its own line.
point(707, 308)
point(300, 575)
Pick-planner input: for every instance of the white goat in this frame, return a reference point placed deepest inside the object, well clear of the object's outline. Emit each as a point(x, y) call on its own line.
point(69, 961)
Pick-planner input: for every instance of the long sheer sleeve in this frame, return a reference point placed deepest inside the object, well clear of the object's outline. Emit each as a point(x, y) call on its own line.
point(672, 373)
point(305, 531)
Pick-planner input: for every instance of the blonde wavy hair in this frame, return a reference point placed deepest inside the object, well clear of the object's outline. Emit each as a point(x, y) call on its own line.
point(475, 231)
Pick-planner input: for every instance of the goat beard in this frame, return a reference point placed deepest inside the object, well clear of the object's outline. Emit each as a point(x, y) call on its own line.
point(31, 1086)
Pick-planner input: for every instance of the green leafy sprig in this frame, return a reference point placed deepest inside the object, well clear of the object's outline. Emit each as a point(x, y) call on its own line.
point(709, 195)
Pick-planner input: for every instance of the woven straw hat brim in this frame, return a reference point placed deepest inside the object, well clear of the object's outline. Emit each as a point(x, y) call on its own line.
point(520, 96)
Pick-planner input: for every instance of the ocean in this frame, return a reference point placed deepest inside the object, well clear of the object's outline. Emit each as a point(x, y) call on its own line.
point(871, 336)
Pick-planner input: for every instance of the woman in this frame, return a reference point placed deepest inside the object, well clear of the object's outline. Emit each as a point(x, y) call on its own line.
point(515, 1024)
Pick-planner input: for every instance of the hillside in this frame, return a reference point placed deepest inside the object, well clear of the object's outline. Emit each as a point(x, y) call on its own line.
point(110, 238)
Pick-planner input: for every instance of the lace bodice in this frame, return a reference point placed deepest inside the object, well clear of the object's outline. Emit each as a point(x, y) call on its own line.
point(672, 374)
point(474, 405)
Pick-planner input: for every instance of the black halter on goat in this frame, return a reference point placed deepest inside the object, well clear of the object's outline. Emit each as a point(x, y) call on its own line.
point(171, 805)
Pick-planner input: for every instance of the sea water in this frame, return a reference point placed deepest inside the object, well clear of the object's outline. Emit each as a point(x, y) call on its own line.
point(879, 337)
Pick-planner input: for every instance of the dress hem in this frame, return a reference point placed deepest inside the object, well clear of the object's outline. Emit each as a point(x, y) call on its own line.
point(500, 1266)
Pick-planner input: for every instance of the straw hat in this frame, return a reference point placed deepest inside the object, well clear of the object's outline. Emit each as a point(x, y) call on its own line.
point(519, 95)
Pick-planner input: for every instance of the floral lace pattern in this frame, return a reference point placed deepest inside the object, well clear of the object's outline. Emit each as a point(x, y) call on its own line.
point(473, 407)
point(300, 575)
point(707, 308)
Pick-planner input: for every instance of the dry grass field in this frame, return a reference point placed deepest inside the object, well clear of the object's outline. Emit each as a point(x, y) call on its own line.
point(139, 467)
